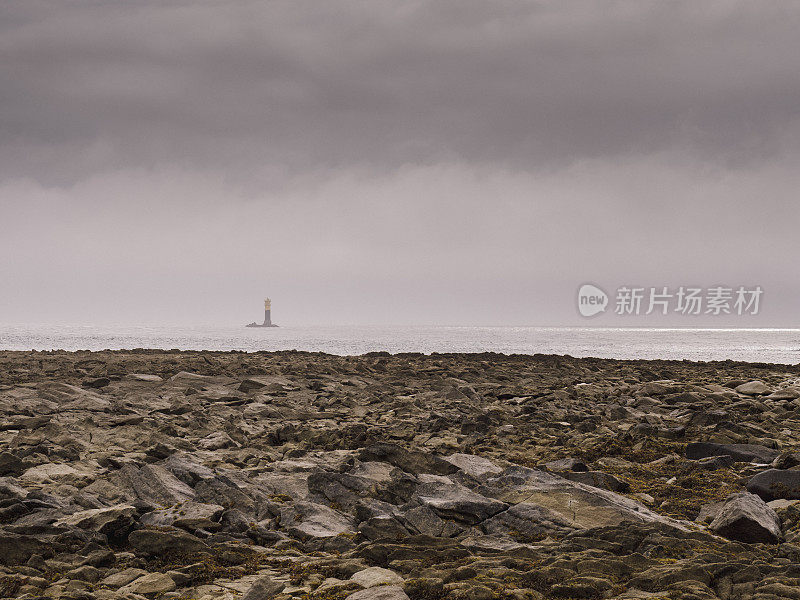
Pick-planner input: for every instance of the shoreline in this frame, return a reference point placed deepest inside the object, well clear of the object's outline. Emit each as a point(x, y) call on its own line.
point(311, 476)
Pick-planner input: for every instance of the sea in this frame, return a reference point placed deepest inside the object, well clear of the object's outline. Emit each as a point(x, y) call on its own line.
point(752, 345)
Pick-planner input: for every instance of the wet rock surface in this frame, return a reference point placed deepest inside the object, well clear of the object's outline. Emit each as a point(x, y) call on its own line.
point(210, 475)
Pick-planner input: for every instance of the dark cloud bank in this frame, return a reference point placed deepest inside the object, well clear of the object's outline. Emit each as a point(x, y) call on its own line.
point(447, 162)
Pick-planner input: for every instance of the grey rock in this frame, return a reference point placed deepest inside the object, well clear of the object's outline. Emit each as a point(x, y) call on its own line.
point(373, 576)
point(409, 461)
point(746, 518)
point(754, 388)
point(597, 479)
point(264, 588)
point(149, 585)
point(153, 485)
point(566, 464)
point(11, 464)
point(190, 515)
point(114, 521)
point(739, 452)
point(476, 466)
point(453, 501)
point(306, 520)
point(124, 577)
point(774, 484)
point(528, 522)
point(150, 542)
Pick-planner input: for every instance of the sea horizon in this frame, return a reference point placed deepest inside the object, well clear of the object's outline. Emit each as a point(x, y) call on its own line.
point(762, 344)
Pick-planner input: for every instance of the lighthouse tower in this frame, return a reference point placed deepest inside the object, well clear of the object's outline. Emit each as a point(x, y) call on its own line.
point(267, 311)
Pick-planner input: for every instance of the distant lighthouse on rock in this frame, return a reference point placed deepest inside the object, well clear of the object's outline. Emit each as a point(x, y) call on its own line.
point(267, 316)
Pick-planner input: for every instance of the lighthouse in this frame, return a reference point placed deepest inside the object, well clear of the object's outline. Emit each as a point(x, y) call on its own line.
point(267, 316)
point(267, 311)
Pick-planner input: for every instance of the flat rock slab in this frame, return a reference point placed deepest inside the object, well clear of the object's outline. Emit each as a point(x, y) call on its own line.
point(373, 576)
point(580, 505)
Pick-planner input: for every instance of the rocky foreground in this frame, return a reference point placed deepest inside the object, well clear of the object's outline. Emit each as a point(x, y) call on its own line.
point(206, 475)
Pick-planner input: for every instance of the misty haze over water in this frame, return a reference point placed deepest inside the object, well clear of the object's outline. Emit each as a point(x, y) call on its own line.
point(758, 345)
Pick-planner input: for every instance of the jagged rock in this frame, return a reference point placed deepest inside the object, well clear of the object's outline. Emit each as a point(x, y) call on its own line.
point(739, 452)
point(773, 484)
point(187, 470)
point(453, 501)
point(190, 515)
point(746, 518)
point(114, 521)
point(264, 588)
point(409, 461)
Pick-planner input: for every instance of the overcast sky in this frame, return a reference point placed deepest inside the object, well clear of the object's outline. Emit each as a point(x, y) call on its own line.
point(431, 162)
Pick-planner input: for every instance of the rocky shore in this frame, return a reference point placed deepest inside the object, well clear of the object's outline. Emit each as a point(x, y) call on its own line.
point(288, 475)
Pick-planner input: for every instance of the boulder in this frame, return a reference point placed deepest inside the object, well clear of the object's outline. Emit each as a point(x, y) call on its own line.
point(745, 517)
point(305, 520)
point(149, 585)
point(264, 588)
point(774, 484)
point(150, 542)
point(753, 388)
point(739, 452)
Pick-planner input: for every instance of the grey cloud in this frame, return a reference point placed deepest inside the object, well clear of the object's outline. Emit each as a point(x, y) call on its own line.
point(262, 89)
point(438, 161)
